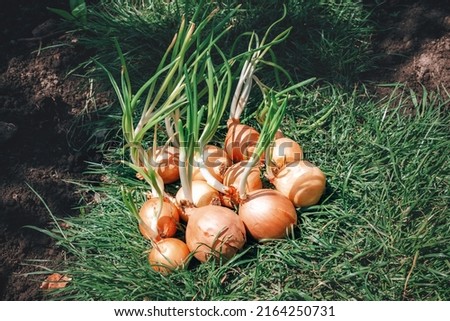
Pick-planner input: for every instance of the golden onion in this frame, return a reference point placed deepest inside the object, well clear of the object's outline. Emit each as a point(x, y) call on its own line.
point(202, 195)
point(279, 134)
point(267, 214)
point(240, 141)
point(233, 177)
point(235, 173)
point(285, 151)
point(214, 232)
point(302, 182)
point(217, 162)
point(168, 255)
point(167, 221)
point(165, 162)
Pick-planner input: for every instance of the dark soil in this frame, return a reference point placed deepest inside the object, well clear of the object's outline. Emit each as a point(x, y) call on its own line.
point(39, 103)
point(38, 106)
point(413, 45)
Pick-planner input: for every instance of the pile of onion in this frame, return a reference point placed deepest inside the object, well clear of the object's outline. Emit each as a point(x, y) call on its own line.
point(217, 232)
point(221, 199)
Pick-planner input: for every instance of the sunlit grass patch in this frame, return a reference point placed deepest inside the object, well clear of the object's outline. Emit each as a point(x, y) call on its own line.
point(381, 231)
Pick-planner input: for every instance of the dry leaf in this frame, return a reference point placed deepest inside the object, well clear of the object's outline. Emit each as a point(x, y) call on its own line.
point(55, 281)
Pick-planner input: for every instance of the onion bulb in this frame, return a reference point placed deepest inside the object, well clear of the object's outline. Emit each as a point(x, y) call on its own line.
point(234, 174)
point(302, 182)
point(217, 162)
point(167, 221)
point(214, 231)
point(168, 255)
point(267, 214)
point(233, 177)
point(202, 195)
point(279, 134)
point(240, 141)
point(165, 162)
point(285, 151)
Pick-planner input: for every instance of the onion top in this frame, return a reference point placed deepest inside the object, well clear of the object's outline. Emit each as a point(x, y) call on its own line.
point(235, 173)
point(233, 177)
point(202, 195)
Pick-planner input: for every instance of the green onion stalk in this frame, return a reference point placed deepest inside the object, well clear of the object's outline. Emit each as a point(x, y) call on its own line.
point(165, 89)
point(247, 75)
point(192, 63)
point(272, 122)
point(151, 116)
point(165, 96)
point(194, 133)
point(280, 96)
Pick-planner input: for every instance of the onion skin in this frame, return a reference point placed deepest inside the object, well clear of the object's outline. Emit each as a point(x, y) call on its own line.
point(168, 255)
point(285, 151)
point(215, 232)
point(267, 214)
point(167, 222)
point(302, 182)
point(217, 162)
point(240, 141)
point(202, 195)
point(165, 161)
point(235, 172)
point(233, 177)
point(279, 134)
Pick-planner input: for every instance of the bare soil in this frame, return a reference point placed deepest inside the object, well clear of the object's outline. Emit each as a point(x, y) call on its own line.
point(39, 103)
point(413, 44)
point(38, 106)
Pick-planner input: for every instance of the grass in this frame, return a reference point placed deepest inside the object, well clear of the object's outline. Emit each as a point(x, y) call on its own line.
point(381, 231)
point(329, 39)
